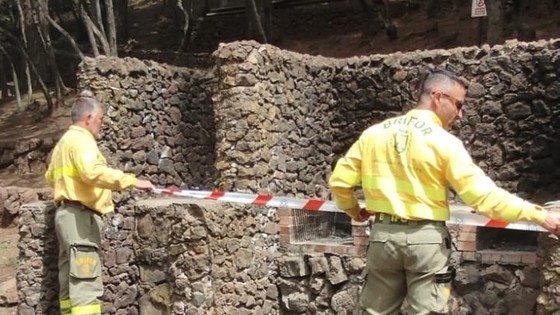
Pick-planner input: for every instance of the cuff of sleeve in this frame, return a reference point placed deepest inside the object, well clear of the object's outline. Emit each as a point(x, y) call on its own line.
point(129, 180)
point(536, 214)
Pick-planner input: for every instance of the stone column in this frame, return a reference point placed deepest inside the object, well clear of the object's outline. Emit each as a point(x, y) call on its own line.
point(37, 273)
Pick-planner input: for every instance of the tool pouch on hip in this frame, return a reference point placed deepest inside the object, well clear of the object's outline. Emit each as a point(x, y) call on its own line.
point(445, 275)
point(442, 290)
point(85, 261)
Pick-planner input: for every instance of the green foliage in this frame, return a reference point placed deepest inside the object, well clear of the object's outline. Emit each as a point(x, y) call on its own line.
point(4, 245)
point(13, 262)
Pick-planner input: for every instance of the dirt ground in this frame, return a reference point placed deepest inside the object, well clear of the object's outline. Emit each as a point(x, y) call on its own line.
point(21, 125)
point(8, 260)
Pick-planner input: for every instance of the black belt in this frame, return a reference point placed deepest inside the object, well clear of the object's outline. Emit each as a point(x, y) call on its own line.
point(74, 204)
point(393, 219)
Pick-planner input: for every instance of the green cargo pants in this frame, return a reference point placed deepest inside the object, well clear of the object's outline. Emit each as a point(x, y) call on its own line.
point(79, 260)
point(407, 262)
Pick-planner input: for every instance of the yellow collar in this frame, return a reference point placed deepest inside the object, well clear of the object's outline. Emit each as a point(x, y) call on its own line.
point(81, 129)
point(426, 114)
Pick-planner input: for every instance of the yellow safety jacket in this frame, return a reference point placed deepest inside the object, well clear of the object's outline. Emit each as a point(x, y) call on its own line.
point(78, 171)
point(405, 166)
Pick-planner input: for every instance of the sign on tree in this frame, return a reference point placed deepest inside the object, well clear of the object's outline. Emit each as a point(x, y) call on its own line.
point(478, 8)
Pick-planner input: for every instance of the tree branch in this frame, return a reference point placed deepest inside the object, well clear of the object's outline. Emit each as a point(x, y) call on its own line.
point(67, 36)
point(257, 19)
point(48, 98)
point(91, 25)
point(185, 26)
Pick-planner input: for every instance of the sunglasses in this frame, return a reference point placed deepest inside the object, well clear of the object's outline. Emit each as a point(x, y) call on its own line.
point(459, 104)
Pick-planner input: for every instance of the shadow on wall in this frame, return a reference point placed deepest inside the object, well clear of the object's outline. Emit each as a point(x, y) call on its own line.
point(371, 96)
point(513, 129)
point(160, 119)
point(538, 134)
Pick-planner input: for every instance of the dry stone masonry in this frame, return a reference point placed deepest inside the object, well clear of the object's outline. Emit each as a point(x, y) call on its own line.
point(283, 118)
point(161, 121)
point(12, 198)
point(164, 256)
point(176, 256)
point(267, 120)
point(27, 156)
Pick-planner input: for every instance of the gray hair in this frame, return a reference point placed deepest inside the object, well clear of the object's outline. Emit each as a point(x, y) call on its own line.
point(84, 105)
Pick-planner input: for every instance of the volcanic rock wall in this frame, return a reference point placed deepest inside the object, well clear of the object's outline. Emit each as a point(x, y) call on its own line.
point(273, 121)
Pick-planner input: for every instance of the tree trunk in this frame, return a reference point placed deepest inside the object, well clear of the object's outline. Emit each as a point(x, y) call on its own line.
point(266, 17)
point(98, 18)
point(111, 28)
point(93, 32)
point(27, 73)
point(390, 27)
point(34, 70)
point(50, 105)
point(255, 26)
point(92, 40)
point(98, 35)
point(16, 89)
point(42, 12)
point(32, 43)
point(67, 36)
point(186, 26)
point(3, 79)
point(14, 77)
point(495, 21)
point(121, 20)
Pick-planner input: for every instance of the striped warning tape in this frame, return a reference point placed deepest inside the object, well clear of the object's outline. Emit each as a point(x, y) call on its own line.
point(460, 214)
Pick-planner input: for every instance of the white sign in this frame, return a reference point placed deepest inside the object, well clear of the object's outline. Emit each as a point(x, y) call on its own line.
point(478, 8)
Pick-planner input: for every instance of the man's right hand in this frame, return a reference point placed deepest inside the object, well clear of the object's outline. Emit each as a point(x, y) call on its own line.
point(362, 216)
point(143, 184)
point(552, 222)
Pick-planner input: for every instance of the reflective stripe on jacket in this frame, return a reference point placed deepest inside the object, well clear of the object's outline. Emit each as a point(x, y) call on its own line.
point(405, 166)
point(78, 171)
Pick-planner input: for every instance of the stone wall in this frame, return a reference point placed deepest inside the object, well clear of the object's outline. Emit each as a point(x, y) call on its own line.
point(161, 122)
point(282, 118)
point(274, 121)
point(37, 271)
point(178, 256)
point(330, 284)
point(163, 257)
point(12, 198)
point(27, 156)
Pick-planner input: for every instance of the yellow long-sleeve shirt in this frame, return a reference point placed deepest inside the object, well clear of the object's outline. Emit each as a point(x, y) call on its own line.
point(78, 171)
point(405, 166)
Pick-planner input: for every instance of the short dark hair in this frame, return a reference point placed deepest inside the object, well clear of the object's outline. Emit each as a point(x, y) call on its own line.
point(439, 77)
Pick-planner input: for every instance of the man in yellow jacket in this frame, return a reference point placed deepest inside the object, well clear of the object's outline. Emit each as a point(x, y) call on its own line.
point(405, 166)
point(82, 184)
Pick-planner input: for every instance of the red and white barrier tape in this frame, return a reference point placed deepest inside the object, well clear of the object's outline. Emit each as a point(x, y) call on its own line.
point(460, 214)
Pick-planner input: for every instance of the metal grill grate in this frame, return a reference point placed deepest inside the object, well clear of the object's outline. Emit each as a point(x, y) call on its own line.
point(311, 226)
point(502, 239)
